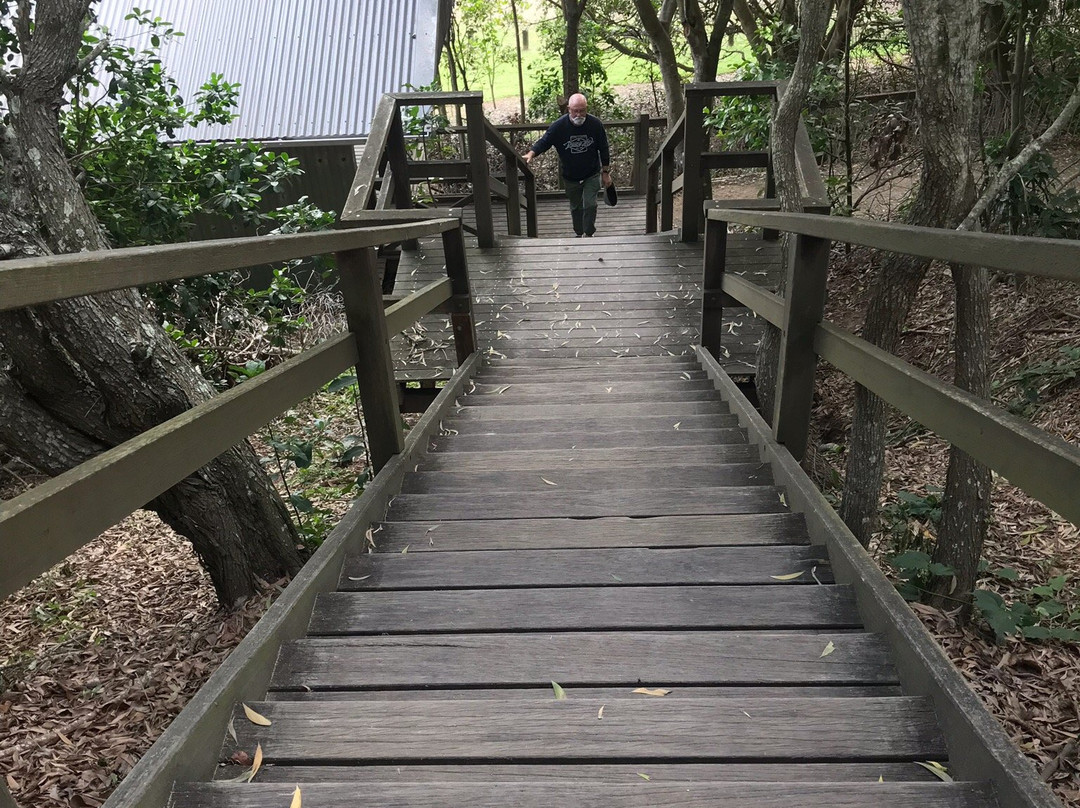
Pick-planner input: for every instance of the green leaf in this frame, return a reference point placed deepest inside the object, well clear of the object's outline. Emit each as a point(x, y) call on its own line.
point(301, 503)
point(1035, 632)
point(911, 560)
point(943, 570)
point(1006, 573)
point(349, 455)
point(1067, 634)
point(560, 694)
point(340, 383)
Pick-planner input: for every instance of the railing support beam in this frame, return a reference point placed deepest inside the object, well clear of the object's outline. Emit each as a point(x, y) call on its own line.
point(641, 154)
point(478, 169)
point(715, 299)
point(461, 316)
point(357, 275)
point(804, 309)
point(693, 184)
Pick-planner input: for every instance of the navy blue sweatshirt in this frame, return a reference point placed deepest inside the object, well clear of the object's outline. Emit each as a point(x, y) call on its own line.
point(582, 149)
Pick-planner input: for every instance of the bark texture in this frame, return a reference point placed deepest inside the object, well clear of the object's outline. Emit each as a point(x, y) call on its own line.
point(943, 38)
point(657, 29)
point(572, 11)
point(705, 37)
point(85, 374)
point(814, 18)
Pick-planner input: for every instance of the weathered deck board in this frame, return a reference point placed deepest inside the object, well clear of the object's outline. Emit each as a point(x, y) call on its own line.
point(593, 659)
point(590, 795)
point(430, 482)
point(609, 567)
point(561, 533)
point(529, 294)
point(589, 504)
point(797, 729)
point(619, 423)
point(570, 411)
point(636, 608)
point(860, 773)
point(672, 436)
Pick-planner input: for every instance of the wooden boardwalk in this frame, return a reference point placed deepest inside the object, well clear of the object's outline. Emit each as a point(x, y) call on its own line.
point(603, 525)
point(608, 296)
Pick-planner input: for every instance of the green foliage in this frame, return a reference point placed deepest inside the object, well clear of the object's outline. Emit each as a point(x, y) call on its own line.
point(1037, 613)
point(1033, 384)
point(917, 572)
point(908, 519)
point(479, 27)
point(592, 73)
point(120, 130)
point(1033, 204)
point(743, 122)
point(316, 461)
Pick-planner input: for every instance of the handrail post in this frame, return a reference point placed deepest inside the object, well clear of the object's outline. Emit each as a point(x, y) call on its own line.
point(641, 153)
point(667, 179)
point(693, 145)
point(357, 277)
point(478, 171)
point(461, 317)
point(513, 198)
point(714, 298)
point(804, 307)
point(532, 227)
point(652, 178)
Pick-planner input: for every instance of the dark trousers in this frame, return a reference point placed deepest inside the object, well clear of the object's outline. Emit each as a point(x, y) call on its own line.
point(582, 196)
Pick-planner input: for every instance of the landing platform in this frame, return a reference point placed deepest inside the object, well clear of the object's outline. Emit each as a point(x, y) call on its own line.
point(608, 296)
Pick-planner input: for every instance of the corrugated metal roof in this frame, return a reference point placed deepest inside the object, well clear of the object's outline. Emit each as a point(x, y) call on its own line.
point(308, 69)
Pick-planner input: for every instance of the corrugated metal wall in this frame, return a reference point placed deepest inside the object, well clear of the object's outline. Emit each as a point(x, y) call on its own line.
point(308, 69)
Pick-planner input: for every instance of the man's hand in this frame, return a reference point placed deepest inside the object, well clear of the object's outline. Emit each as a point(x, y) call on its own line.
point(605, 178)
point(528, 156)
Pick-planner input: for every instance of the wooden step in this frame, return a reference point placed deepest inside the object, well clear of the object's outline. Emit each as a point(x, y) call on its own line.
point(601, 567)
point(667, 660)
point(439, 482)
point(587, 794)
point(636, 608)
point(555, 533)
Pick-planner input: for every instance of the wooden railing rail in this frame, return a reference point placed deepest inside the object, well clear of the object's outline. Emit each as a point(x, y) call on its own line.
point(46, 524)
point(698, 162)
point(1045, 467)
point(385, 174)
point(641, 126)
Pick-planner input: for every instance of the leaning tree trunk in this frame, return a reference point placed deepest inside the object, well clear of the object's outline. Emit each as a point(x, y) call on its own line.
point(660, 39)
point(85, 374)
point(814, 18)
point(943, 37)
point(705, 45)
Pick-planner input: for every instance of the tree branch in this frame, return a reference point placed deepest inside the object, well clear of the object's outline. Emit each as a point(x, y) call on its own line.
point(1010, 169)
point(92, 56)
point(22, 25)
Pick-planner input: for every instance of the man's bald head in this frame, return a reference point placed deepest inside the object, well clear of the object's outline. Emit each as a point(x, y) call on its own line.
point(577, 103)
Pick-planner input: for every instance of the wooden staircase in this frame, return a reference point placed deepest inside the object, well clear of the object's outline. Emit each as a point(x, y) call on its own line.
point(589, 592)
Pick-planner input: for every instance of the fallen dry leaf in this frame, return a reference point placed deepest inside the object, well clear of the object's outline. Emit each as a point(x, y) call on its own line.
point(790, 576)
point(829, 648)
point(295, 799)
point(654, 691)
point(255, 718)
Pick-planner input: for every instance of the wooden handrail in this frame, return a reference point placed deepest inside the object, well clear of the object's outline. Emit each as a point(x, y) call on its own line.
point(30, 281)
point(1026, 255)
point(46, 524)
point(1045, 467)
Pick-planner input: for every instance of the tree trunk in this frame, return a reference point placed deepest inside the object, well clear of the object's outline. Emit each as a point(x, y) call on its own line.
point(704, 44)
point(572, 11)
point(814, 18)
point(943, 39)
point(88, 373)
point(660, 38)
point(965, 511)
point(517, 50)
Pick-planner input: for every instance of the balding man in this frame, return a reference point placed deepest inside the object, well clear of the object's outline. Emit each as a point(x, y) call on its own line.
point(582, 144)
